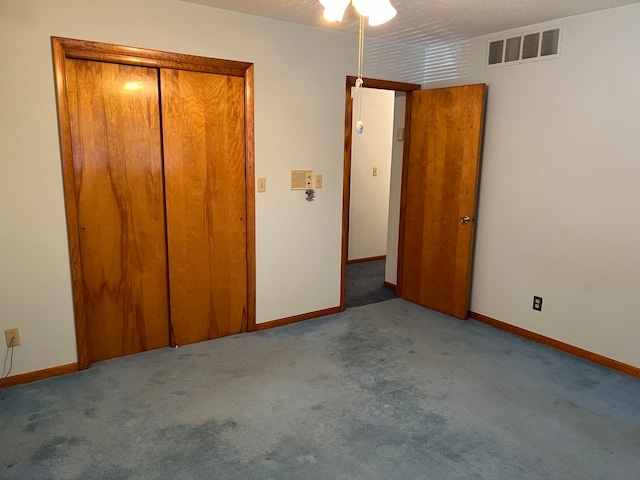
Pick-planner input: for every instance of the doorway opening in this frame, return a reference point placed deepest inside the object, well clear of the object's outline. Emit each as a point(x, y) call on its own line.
point(371, 194)
point(438, 197)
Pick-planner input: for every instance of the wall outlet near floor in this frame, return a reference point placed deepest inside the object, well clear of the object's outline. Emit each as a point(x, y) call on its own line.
point(13, 337)
point(537, 303)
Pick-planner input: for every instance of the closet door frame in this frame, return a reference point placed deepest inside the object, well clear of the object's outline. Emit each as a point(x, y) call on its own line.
point(64, 48)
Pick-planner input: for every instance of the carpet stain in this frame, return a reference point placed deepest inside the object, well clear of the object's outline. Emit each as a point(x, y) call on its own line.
point(90, 412)
point(306, 458)
point(32, 427)
point(320, 378)
point(587, 383)
point(56, 447)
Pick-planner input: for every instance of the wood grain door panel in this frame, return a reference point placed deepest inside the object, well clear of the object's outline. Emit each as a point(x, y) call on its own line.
point(441, 188)
point(117, 161)
point(204, 153)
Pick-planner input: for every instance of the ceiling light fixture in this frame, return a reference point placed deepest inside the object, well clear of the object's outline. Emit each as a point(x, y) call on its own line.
point(377, 11)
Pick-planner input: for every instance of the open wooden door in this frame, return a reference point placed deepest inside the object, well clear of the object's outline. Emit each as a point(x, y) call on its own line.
point(439, 197)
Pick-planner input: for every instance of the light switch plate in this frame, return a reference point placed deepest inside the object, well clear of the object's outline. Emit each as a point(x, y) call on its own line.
point(318, 181)
point(262, 184)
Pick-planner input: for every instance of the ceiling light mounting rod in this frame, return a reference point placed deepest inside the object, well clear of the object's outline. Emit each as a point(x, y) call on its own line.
point(360, 53)
point(358, 89)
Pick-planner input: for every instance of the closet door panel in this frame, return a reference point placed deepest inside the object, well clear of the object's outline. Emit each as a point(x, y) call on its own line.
point(204, 154)
point(117, 161)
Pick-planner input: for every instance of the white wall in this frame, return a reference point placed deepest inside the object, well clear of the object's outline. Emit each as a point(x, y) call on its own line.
point(299, 104)
point(391, 266)
point(369, 207)
point(560, 188)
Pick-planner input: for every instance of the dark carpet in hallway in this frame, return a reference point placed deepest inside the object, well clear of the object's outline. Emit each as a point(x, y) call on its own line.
point(365, 282)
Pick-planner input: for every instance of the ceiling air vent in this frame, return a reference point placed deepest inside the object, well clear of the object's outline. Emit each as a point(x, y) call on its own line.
point(530, 46)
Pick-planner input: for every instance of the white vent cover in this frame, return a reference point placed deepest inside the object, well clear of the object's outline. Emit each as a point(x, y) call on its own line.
point(530, 46)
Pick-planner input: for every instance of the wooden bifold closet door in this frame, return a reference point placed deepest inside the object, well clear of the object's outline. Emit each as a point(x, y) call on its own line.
point(160, 206)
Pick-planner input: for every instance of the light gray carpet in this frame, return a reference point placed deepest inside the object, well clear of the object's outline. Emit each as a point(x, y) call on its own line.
point(385, 391)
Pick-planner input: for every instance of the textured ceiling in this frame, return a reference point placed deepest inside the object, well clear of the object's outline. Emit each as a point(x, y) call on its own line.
point(428, 40)
point(426, 21)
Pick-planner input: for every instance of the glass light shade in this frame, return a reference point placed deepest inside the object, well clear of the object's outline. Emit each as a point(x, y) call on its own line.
point(334, 9)
point(378, 11)
point(383, 13)
point(363, 7)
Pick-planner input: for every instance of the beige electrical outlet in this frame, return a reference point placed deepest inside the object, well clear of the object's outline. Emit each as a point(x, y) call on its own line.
point(13, 337)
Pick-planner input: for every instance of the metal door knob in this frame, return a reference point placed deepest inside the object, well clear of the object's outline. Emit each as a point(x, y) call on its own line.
point(464, 220)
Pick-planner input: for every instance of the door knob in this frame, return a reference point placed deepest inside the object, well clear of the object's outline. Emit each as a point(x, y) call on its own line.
point(464, 220)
